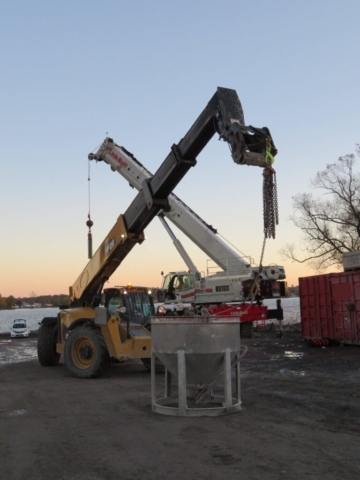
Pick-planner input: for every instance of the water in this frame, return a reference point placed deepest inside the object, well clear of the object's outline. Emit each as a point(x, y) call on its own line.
point(291, 307)
point(16, 350)
point(32, 316)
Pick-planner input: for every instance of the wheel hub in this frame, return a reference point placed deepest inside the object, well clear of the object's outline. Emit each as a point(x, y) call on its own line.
point(85, 352)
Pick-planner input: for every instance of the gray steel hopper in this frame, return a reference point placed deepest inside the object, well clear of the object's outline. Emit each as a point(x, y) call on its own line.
point(196, 352)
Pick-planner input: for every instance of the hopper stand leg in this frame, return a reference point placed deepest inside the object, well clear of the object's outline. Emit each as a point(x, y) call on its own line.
point(182, 383)
point(227, 378)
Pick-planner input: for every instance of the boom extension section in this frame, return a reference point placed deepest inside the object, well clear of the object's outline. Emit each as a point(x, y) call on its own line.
point(222, 115)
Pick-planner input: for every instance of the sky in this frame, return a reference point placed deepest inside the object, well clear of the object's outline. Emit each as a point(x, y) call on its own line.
point(75, 72)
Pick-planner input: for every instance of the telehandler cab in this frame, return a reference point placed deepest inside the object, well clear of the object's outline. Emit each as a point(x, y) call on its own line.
point(121, 328)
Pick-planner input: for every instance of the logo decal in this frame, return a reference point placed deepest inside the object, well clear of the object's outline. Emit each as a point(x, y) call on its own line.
point(120, 161)
point(108, 247)
point(222, 288)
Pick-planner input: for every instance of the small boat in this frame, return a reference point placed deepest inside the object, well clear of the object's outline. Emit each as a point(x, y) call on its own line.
point(19, 329)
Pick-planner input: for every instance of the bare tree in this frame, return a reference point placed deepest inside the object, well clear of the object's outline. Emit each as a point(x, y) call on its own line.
point(330, 225)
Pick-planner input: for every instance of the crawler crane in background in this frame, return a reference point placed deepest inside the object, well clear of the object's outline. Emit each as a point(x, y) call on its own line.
point(114, 323)
point(235, 280)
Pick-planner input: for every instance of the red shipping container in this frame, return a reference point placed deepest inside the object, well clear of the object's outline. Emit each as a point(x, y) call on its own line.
point(330, 307)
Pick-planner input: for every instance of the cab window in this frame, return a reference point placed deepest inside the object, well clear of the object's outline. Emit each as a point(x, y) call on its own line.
point(139, 307)
point(167, 281)
point(184, 282)
point(115, 303)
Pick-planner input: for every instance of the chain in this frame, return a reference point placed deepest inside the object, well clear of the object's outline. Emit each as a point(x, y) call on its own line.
point(276, 202)
point(270, 213)
point(262, 255)
point(270, 203)
point(270, 208)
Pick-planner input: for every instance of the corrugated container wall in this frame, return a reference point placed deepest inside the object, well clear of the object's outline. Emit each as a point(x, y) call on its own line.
point(330, 306)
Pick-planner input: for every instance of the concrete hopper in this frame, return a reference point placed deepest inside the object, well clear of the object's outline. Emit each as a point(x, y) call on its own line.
point(196, 352)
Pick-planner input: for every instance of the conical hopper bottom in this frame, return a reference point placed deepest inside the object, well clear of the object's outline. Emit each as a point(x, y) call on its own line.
point(196, 352)
point(200, 368)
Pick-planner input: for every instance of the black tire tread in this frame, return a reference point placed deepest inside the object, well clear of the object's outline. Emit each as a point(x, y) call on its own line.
point(101, 363)
point(46, 346)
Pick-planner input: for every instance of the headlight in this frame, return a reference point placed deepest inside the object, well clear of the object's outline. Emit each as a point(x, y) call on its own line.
point(161, 310)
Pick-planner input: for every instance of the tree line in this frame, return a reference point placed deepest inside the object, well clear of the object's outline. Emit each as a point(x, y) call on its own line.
point(45, 300)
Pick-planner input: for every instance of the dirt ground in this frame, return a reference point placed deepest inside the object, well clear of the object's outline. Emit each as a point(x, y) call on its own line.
point(300, 420)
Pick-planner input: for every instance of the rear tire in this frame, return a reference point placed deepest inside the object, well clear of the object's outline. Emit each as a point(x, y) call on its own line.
point(246, 330)
point(46, 346)
point(86, 353)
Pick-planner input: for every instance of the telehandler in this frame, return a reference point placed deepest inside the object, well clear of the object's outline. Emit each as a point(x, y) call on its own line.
point(115, 323)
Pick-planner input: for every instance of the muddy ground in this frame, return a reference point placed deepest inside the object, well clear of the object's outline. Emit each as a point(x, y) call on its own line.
point(300, 420)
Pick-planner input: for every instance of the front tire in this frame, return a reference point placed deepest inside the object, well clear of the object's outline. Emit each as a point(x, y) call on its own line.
point(46, 346)
point(86, 353)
